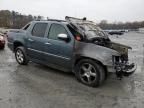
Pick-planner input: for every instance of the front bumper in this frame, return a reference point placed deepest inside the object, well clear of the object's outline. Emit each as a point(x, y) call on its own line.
point(125, 69)
point(131, 70)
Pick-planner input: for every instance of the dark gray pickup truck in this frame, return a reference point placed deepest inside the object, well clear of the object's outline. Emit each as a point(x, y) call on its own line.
point(75, 45)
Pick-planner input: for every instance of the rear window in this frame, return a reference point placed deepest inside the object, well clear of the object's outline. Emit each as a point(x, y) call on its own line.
point(39, 29)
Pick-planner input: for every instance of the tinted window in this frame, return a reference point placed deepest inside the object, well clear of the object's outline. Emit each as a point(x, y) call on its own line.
point(39, 29)
point(55, 30)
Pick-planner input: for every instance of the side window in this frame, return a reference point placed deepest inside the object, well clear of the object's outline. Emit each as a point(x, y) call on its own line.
point(56, 29)
point(76, 34)
point(39, 29)
point(73, 31)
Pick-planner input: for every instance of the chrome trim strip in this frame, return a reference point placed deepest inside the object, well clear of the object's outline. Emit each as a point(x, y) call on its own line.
point(48, 53)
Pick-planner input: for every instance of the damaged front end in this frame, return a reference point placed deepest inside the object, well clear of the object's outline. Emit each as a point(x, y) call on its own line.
point(93, 34)
point(121, 63)
point(123, 68)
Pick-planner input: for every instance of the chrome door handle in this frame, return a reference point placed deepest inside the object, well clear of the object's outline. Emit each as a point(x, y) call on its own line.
point(47, 43)
point(30, 40)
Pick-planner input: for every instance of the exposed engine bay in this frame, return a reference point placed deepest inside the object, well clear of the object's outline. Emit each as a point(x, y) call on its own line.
point(106, 42)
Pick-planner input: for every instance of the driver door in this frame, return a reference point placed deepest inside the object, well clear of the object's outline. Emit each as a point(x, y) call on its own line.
point(59, 52)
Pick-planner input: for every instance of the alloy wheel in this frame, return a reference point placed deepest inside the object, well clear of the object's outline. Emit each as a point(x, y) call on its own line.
point(88, 73)
point(19, 56)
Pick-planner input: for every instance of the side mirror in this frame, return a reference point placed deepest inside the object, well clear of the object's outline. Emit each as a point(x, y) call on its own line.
point(63, 37)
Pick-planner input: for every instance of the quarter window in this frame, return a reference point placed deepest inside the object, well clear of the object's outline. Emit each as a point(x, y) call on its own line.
point(55, 30)
point(39, 29)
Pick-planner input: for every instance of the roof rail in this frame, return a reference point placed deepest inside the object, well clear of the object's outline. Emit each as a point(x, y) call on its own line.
point(51, 20)
point(56, 20)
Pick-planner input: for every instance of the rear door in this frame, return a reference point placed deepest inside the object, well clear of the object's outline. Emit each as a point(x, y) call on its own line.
point(36, 40)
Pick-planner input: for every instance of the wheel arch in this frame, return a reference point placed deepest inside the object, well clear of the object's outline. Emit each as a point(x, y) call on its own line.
point(97, 61)
point(17, 44)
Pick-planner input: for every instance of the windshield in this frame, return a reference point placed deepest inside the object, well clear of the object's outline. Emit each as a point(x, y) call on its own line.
point(86, 28)
point(91, 30)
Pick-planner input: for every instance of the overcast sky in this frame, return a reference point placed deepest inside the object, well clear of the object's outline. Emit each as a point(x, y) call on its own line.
point(111, 10)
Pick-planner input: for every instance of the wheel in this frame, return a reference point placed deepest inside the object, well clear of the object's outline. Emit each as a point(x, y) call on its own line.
point(21, 56)
point(90, 72)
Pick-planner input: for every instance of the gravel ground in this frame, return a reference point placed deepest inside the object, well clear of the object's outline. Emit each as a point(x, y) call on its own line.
point(37, 86)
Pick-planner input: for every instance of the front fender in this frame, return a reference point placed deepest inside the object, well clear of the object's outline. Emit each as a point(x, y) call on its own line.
point(100, 53)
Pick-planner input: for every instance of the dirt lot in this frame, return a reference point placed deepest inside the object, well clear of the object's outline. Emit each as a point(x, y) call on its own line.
point(37, 86)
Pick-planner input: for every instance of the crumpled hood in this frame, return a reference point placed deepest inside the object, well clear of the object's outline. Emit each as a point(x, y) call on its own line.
point(122, 45)
point(122, 49)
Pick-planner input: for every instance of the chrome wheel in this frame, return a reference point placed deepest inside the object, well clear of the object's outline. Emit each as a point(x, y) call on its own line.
point(88, 73)
point(19, 56)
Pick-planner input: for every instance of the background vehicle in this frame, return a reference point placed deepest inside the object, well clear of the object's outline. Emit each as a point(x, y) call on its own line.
point(75, 45)
point(2, 41)
point(115, 32)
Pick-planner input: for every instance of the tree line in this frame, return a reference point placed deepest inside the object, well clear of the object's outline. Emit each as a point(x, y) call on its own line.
point(120, 25)
point(12, 19)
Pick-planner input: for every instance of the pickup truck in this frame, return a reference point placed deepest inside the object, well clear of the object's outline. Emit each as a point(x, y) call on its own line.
point(74, 45)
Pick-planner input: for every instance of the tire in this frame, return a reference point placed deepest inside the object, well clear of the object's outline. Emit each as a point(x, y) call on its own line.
point(90, 73)
point(21, 56)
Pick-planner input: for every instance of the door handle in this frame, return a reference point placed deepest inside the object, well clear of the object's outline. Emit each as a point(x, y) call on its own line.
point(30, 40)
point(47, 43)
